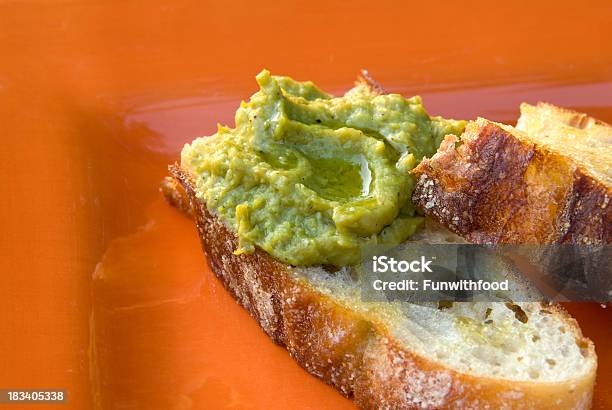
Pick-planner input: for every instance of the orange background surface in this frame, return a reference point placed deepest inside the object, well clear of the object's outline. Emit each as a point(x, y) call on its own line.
point(105, 291)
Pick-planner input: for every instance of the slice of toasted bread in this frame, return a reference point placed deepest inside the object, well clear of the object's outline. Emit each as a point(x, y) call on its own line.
point(549, 183)
point(396, 355)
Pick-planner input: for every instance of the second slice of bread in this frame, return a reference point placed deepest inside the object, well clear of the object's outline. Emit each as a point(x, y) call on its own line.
point(546, 181)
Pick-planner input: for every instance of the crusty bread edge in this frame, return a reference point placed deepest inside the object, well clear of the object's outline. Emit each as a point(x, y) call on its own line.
point(482, 190)
point(571, 117)
point(352, 353)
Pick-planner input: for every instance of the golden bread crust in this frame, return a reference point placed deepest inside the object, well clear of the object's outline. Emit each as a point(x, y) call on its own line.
point(498, 187)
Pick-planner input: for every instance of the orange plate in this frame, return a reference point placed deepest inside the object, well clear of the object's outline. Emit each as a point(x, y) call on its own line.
point(105, 290)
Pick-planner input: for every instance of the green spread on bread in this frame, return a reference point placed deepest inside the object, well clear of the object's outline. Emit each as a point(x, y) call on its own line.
point(311, 178)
